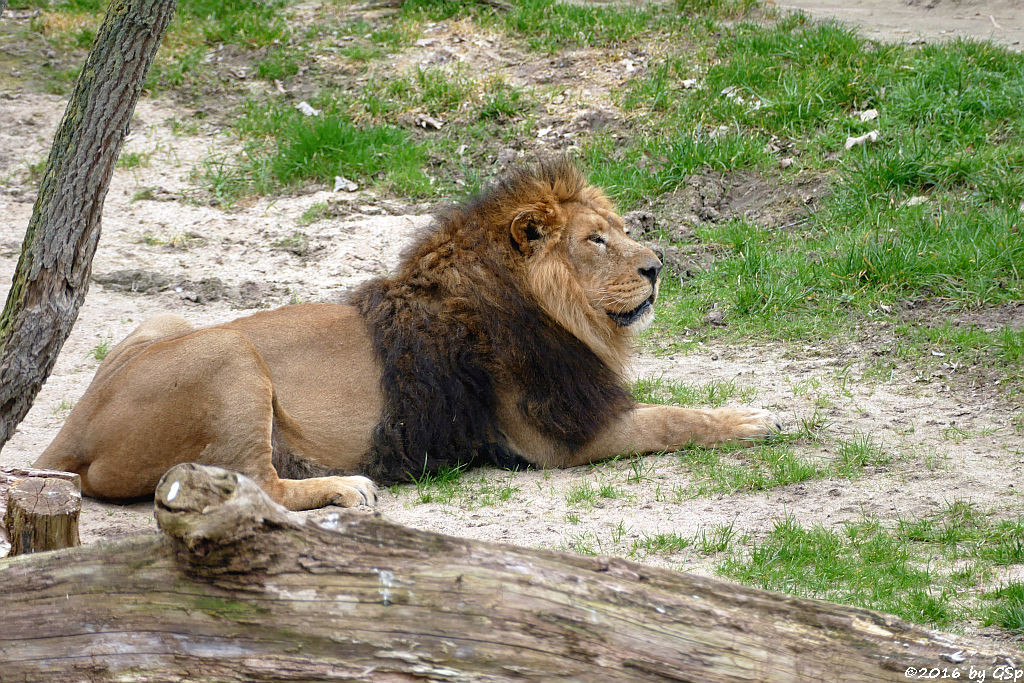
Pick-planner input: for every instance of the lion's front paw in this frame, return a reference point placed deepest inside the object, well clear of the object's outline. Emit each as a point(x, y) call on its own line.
point(353, 491)
point(746, 426)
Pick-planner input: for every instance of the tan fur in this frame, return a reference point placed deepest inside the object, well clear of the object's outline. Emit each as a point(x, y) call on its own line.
point(307, 376)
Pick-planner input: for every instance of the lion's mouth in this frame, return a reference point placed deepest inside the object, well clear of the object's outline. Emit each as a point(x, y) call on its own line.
point(629, 317)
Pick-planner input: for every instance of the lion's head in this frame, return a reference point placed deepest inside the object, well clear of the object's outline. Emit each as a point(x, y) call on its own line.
point(578, 258)
point(525, 297)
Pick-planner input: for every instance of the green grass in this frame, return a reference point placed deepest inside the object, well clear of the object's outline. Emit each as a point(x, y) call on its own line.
point(717, 539)
point(316, 212)
point(917, 569)
point(583, 543)
point(861, 565)
point(675, 155)
point(967, 341)
point(582, 493)
point(764, 466)
point(950, 133)
point(100, 351)
point(250, 24)
point(133, 159)
point(856, 454)
point(1007, 608)
point(1010, 343)
point(659, 544)
point(501, 101)
point(456, 486)
point(281, 63)
point(549, 25)
point(489, 490)
point(441, 487)
point(707, 541)
point(718, 471)
point(82, 6)
point(713, 394)
point(326, 146)
point(287, 148)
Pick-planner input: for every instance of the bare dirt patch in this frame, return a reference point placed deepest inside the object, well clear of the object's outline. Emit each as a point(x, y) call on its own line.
point(988, 319)
point(919, 21)
point(668, 223)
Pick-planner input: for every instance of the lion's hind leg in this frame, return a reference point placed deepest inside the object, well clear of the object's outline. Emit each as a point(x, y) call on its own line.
point(204, 396)
point(76, 447)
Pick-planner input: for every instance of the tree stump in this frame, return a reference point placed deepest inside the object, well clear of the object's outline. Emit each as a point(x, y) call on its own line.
point(239, 589)
point(42, 514)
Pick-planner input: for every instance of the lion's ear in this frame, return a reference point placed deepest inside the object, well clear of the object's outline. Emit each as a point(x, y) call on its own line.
point(529, 226)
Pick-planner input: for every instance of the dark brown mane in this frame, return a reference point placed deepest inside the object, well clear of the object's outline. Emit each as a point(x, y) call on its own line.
point(456, 325)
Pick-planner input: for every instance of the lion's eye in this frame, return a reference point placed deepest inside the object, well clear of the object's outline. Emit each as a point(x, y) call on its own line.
point(597, 239)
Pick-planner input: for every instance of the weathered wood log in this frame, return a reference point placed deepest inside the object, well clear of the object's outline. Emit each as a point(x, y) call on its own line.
point(45, 514)
point(239, 588)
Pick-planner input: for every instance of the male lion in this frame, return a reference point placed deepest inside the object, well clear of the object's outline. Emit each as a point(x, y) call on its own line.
point(501, 338)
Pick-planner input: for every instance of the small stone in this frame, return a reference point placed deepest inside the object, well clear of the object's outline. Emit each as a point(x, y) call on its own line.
point(428, 121)
point(715, 317)
point(307, 109)
point(505, 157)
point(852, 142)
point(341, 183)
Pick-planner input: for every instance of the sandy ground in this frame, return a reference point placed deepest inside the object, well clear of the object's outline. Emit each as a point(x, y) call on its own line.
point(951, 438)
point(1001, 21)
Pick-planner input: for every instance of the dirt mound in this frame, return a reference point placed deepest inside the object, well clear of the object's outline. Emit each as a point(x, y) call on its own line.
point(670, 224)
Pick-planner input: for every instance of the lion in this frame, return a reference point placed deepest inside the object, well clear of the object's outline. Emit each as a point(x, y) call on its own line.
point(502, 338)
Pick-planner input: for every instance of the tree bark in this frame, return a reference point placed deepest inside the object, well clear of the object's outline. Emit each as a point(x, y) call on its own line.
point(239, 588)
point(52, 275)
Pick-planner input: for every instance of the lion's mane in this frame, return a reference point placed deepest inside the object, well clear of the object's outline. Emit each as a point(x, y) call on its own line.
point(458, 322)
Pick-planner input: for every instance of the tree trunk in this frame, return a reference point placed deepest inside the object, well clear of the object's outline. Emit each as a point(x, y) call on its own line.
point(239, 588)
point(52, 276)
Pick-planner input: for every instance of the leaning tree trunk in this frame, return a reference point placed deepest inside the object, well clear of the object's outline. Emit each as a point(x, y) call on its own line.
point(239, 589)
point(53, 272)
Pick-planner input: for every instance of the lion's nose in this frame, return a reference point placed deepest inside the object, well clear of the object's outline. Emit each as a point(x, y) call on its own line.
point(651, 269)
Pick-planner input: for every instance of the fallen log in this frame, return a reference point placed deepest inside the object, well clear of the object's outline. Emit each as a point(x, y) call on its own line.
point(238, 588)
